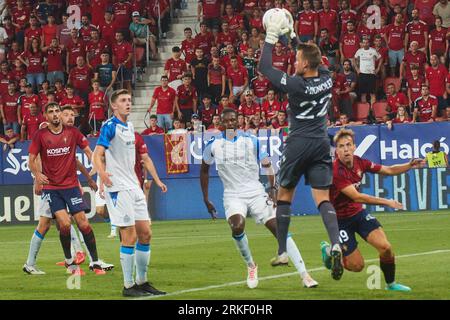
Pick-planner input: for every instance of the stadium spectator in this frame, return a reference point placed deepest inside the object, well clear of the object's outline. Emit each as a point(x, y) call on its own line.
point(174, 68)
point(55, 67)
point(75, 48)
point(43, 96)
point(122, 55)
point(160, 9)
point(395, 100)
point(363, 31)
point(436, 77)
point(97, 106)
point(235, 21)
point(328, 19)
point(153, 128)
point(5, 77)
point(10, 30)
point(199, 69)
point(254, 39)
point(365, 65)
point(98, 7)
point(33, 32)
point(216, 79)
point(248, 107)
point(86, 28)
point(26, 100)
point(425, 107)
point(341, 102)
point(280, 121)
point(307, 23)
point(108, 28)
point(188, 46)
point(414, 85)
point(260, 86)
point(402, 115)
point(17, 73)
point(94, 48)
point(215, 125)
point(207, 110)
point(425, 8)
point(395, 39)
point(140, 34)
point(204, 40)
point(329, 46)
point(186, 99)
point(255, 122)
point(349, 42)
point(438, 43)
point(30, 123)
point(64, 33)
point(75, 102)
point(13, 52)
point(33, 59)
point(384, 56)
point(105, 73)
point(9, 138)
point(225, 104)
point(237, 79)
point(413, 57)
point(165, 96)
point(20, 17)
point(345, 15)
point(10, 109)
point(225, 37)
point(44, 10)
point(270, 107)
point(417, 30)
point(3, 41)
point(80, 78)
point(60, 91)
point(122, 16)
point(209, 12)
point(280, 60)
point(442, 9)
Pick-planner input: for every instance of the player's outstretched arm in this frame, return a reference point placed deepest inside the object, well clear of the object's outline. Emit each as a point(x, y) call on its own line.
point(402, 168)
point(150, 167)
point(351, 192)
point(204, 182)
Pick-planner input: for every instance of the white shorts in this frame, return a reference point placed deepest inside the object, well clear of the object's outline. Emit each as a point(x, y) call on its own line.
point(44, 208)
point(236, 90)
point(260, 207)
point(126, 206)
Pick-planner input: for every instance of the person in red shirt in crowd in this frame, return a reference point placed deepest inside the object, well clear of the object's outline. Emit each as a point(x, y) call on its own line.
point(438, 43)
point(43, 96)
point(33, 32)
point(225, 37)
point(417, 30)
point(26, 100)
point(30, 123)
point(384, 53)
point(209, 12)
point(425, 8)
point(237, 79)
point(216, 79)
point(98, 7)
point(10, 30)
point(186, 99)
point(18, 72)
point(165, 96)
point(80, 78)
point(122, 15)
point(94, 49)
point(281, 121)
point(122, 55)
point(225, 104)
point(216, 125)
point(34, 61)
point(436, 77)
point(413, 57)
point(204, 40)
point(341, 101)
point(363, 31)
point(395, 100)
point(248, 107)
point(280, 60)
point(345, 15)
point(188, 46)
point(9, 108)
point(49, 31)
point(108, 28)
point(13, 53)
point(86, 28)
point(370, 10)
point(248, 7)
point(75, 102)
point(153, 128)
point(55, 67)
point(260, 86)
point(207, 110)
point(97, 106)
point(161, 7)
point(414, 85)
point(76, 48)
point(20, 17)
point(425, 107)
point(349, 43)
point(235, 21)
point(226, 59)
point(82, 4)
point(395, 39)
point(402, 116)
point(270, 107)
point(9, 139)
point(307, 23)
point(60, 91)
point(175, 67)
point(255, 20)
point(254, 123)
point(328, 18)
point(5, 77)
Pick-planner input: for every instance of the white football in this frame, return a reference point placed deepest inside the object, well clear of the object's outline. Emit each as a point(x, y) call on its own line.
point(278, 16)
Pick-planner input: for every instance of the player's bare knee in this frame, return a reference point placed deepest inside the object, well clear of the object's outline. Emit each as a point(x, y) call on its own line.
point(385, 249)
point(64, 227)
point(238, 228)
point(144, 237)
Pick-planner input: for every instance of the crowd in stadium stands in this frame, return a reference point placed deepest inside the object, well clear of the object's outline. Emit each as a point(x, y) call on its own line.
point(389, 60)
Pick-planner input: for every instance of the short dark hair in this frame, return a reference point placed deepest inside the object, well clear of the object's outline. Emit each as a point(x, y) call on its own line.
point(176, 49)
point(66, 108)
point(153, 116)
point(52, 105)
point(187, 29)
point(311, 53)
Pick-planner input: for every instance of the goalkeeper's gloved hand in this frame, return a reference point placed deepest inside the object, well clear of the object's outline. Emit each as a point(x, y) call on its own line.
point(272, 33)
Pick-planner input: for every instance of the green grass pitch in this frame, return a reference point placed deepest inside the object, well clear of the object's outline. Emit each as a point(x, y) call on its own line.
point(198, 260)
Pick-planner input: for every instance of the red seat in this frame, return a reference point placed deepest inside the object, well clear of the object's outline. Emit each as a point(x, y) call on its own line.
point(361, 111)
point(396, 81)
point(379, 109)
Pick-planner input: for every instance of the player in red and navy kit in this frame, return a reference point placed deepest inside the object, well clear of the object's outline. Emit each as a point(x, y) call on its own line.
point(56, 146)
point(348, 172)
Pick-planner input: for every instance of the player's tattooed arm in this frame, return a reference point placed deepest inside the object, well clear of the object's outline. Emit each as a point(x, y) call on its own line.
point(204, 182)
point(150, 167)
point(402, 168)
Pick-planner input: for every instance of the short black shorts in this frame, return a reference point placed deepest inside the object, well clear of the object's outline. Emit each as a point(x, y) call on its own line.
point(63, 199)
point(362, 223)
point(366, 83)
point(306, 156)
point(124, 74)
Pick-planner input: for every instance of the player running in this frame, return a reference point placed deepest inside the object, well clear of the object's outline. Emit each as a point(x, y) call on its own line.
point(56, 146)
point(236, 157)
point(307, 149)
point(348, 171)
point(114, 160)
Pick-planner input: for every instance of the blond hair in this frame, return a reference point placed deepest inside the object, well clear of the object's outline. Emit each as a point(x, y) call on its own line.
point(342, 133)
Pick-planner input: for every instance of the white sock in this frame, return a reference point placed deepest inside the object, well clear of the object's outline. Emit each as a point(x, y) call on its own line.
point(243, 247)
point(35, 245)
point(142, 261)
point(113, 229)
point(127, 262)
point(75, 240)
point(295, 256)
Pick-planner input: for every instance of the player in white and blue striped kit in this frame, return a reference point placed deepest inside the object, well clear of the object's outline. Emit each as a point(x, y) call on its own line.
point(114, 160)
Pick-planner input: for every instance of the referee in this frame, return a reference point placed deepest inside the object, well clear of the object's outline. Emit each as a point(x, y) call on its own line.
point(307, 150)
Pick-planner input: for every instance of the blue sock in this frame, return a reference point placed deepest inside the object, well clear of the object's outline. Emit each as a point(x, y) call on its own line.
point(127, 262)
point(142, 261)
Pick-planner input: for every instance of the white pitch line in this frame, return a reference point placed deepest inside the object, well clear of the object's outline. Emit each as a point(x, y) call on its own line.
point(230, 284)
